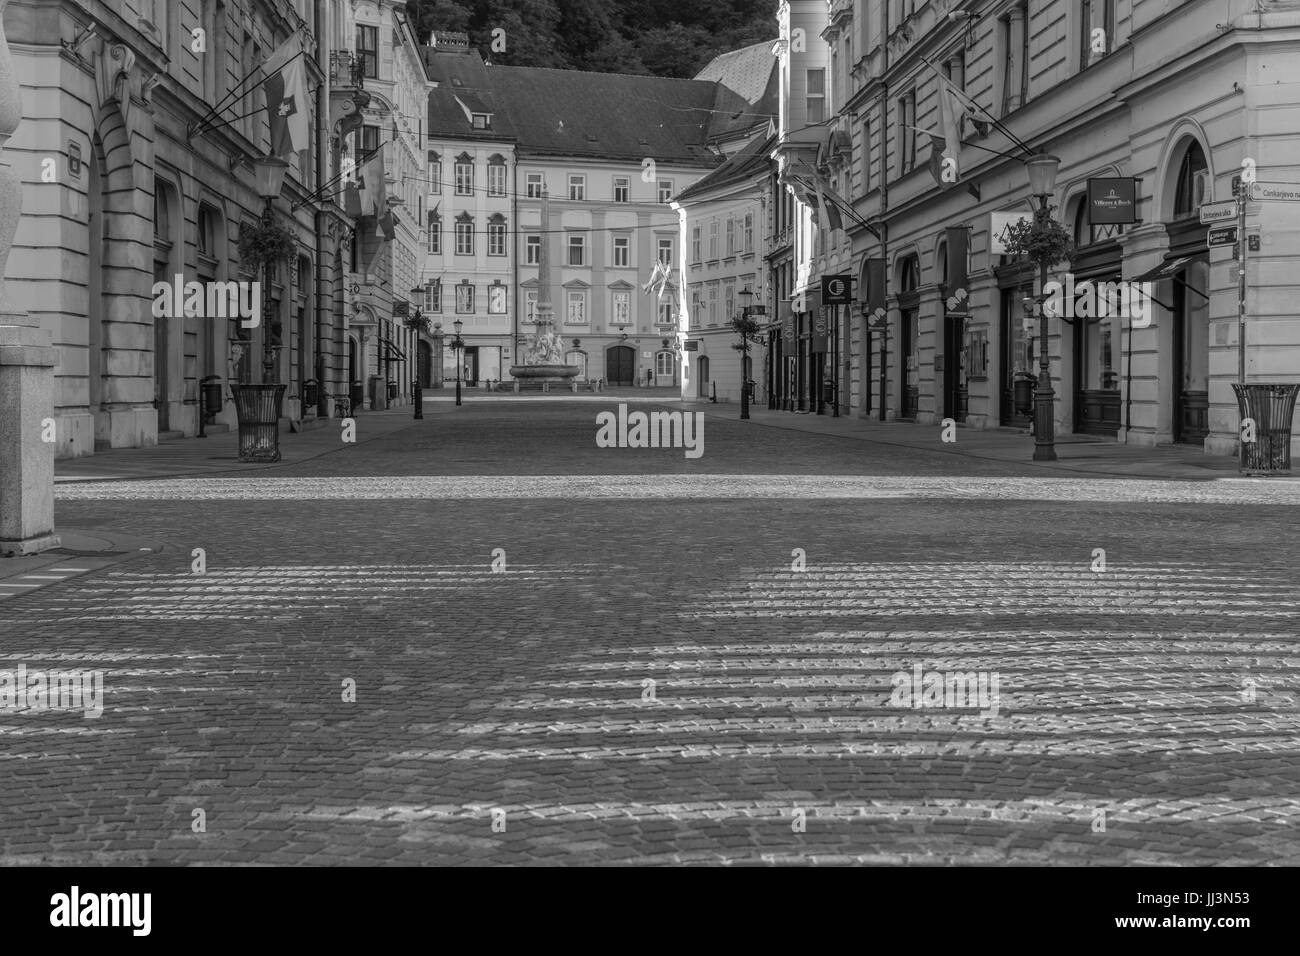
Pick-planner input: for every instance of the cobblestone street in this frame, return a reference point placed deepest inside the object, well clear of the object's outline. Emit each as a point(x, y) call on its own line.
point(671, 661)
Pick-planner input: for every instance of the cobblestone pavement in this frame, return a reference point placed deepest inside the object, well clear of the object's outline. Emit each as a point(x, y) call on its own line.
point(669, 671)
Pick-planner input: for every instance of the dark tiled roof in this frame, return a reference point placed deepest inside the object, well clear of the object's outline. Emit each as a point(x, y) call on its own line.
point(752, 160)
point(575, 113)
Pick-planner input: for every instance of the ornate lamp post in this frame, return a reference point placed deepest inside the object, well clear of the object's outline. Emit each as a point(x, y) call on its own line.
point(269, 172)
point(258, 406)
point(1042, 182)
point(746, 328)
point(457, 343)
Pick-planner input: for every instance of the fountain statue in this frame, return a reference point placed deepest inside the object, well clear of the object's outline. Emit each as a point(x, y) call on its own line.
point(544, 358)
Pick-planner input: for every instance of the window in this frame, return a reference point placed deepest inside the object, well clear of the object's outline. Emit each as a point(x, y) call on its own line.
point(749, 232)
point(729, 301)
point(464, 175)
point(666, 251)
point(1193, 182)
point(435, 172)
point(530, 306)
point(666, 314)
point(496, 299)
point(866, 156)
point(731, 235)
point(1095, 16)
point(622, 314)
point(906, 132)
point(464, 299)
point(713, 303)
point(496, 236)
point(622, 189)
point(695, 243)
point(713, 239)
point(816, 96)
point(533, 185)
point(665, 190)
point(433, 297)
point(577, 187)
point(480, 120)
point(664, 364)
point(464, 235)
point(533, 250)
point(206, 241)
point(577, 311)
point(577, 250)
point(496, 179)
point(369, 142)
point(434, 239)
point(1013, 39)
point(622, 251)
point(368, 51)
point(695, 308)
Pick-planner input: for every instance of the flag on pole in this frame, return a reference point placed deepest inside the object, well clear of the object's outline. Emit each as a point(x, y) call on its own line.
point(387, 226)
point(287, 105)
point(370, 184)
point(820, 191)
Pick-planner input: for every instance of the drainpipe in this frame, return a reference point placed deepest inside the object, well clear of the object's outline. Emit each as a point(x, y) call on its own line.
point(884, 202)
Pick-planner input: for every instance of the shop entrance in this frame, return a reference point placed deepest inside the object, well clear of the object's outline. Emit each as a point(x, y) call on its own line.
point(1191, 353)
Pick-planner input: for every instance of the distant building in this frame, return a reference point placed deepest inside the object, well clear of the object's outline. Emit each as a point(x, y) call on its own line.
point(612, 151)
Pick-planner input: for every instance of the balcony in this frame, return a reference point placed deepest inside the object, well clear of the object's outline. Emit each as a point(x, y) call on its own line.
point(347, 70)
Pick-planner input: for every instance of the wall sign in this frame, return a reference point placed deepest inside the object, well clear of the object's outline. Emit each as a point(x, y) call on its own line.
point(837, 289)
point(1112, 200)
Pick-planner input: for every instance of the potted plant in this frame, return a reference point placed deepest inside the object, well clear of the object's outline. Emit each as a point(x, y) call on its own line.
point(1042, 240)
point(265, 242)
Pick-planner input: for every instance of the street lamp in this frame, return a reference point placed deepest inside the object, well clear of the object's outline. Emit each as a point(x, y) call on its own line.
point(457, 344)
point(269, 173)
point(1042, 182)
point(746, 294)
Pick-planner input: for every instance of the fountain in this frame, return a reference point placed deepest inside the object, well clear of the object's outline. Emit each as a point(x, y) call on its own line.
point(543, 362)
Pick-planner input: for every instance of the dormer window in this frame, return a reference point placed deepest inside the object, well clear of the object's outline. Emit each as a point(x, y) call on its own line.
point(481, 120)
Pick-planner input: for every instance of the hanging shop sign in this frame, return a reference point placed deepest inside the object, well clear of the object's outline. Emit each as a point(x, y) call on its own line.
point(1112, 200)
point(837, 289)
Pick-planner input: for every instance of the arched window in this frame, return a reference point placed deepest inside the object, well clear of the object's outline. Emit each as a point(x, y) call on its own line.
point(941, 260)
point(909, 275)
point(1193, 182)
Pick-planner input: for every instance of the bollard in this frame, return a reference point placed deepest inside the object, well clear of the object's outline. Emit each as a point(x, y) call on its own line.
point(417, 397)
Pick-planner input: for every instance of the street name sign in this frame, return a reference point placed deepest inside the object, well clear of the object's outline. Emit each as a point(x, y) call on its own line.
point(1221, 236)
point(1275, 192)
point(1218, 211)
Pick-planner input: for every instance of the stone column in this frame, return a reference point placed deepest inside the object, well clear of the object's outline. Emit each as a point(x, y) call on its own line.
point(27, 361)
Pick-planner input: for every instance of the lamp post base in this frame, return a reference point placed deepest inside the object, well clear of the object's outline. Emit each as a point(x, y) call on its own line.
point(1044, 427)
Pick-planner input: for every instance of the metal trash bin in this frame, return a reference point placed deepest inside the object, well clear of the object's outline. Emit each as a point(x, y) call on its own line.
point(213, 401)
point(1022, 392)
point(357, 397)
point(258, 408)
point(310, 392)
point(1270, 405)
point(378, 393)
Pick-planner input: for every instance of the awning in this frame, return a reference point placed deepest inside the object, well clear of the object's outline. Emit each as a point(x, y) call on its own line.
point(1169, 269)
point(391, 352)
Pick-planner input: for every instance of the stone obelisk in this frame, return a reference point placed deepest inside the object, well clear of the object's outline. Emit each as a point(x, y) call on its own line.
point(27, 361)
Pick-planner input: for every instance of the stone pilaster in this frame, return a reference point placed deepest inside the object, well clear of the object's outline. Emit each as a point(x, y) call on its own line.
point(27, 360)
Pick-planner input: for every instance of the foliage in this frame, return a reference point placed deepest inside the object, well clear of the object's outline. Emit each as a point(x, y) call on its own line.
point(659, 37)
point(1041, 241)
point(418, 322)
point(747, 327)
point(265, 242)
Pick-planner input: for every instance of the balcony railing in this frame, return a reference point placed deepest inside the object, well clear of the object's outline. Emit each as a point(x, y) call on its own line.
point(347, 69)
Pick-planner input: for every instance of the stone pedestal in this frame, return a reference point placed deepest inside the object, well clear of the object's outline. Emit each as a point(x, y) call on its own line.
point(27, 362)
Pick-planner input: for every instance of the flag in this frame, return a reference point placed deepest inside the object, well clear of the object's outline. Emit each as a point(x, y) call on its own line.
point(655, 276)
point(386, 226)
point(370, 185)
point(287, 106)
point(821, 188)
point(955, 107)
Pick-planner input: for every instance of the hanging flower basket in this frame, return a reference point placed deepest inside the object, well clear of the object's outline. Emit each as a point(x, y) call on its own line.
point(265, 242)
point(1042, 243)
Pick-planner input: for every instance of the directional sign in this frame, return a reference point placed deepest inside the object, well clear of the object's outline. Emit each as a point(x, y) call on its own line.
point(1222, 236)
point(1218, 211)
point(1275, 192)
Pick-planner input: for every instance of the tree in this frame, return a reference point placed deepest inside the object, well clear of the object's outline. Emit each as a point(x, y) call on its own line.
point(675, 50)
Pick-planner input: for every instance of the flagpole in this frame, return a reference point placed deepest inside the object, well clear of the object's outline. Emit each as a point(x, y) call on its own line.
point(997, 124)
